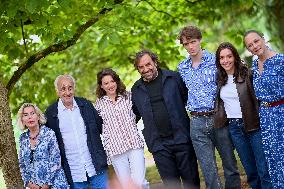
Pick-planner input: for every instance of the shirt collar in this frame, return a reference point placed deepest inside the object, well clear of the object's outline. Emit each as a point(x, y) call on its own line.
point(107, 98)
point(61, 106)
point(205, 57)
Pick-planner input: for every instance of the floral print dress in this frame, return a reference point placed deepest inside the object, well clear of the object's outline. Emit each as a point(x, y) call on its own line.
point(269, 87)
point(42, 164)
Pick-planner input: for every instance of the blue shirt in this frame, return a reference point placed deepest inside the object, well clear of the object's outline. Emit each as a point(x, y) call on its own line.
point(200, 82)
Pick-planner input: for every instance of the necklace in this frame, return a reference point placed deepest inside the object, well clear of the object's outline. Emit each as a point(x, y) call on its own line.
point(35, 137)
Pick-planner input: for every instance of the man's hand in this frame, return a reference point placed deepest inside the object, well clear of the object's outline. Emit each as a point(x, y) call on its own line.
point(33, 186)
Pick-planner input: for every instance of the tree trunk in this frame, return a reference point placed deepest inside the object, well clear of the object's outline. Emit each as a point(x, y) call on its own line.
point(8, 153)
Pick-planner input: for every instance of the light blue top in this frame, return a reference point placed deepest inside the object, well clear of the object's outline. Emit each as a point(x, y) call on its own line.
point(269, 86)
point(200, 81)
point(46, 165)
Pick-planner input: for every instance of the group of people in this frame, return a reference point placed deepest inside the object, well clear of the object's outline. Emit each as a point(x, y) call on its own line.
point(214, 101)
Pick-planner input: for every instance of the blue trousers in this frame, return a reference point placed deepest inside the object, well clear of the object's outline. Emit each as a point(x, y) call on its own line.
point(204, 139)
point(250, 149)
point(98, 181)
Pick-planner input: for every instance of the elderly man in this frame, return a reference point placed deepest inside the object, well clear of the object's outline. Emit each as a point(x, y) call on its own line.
point(77, 126)
point(159, 97)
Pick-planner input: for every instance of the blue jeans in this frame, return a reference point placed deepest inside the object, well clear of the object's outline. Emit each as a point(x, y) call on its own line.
point(98, 181)
point(204, 139)
point(250, 150)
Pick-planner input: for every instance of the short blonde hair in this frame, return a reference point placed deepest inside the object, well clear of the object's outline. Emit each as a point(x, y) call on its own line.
point(42, 119)
point(67, 76)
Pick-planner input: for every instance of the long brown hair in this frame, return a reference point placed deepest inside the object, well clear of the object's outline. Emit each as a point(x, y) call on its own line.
point(240, 69)
point(121, 89)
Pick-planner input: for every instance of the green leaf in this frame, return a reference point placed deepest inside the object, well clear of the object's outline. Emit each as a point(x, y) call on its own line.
point(101, 4)
point(31, 5)
point(114, 38)
point(11, 10)
point(64, 3)
point(14, 53)
point(103, 43)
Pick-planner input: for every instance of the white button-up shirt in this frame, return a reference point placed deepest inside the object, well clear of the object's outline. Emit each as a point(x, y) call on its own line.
point(73, 131)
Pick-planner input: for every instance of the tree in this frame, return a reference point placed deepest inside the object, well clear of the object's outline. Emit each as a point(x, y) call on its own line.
point(116, 30)
point(28, 16)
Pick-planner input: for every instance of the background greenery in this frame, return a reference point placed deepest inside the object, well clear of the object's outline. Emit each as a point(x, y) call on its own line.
point(41, 39)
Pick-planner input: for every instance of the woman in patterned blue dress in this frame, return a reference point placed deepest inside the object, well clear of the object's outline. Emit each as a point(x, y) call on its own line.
point(39, 155)
point(268, 81)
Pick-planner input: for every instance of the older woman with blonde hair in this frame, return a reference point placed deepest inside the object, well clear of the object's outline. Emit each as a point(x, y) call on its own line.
point(39, 155)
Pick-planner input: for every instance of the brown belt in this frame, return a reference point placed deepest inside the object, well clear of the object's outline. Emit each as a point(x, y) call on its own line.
point(202, 113)
point(271, 104)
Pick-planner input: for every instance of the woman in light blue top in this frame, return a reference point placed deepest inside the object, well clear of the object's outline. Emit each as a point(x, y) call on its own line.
point(39, 155)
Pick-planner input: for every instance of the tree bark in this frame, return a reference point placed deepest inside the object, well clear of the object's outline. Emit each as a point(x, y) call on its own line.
point(8, 153)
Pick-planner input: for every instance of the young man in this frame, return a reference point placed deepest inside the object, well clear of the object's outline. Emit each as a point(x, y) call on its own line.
point(198, 73)
point(77, 127)
point(159, 97)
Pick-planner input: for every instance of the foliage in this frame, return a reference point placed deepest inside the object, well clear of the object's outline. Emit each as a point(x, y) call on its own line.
point(111, 42)
point(116, 30)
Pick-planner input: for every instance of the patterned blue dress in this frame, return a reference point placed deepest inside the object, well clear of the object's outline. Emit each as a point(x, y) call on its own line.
point(269, 87)
point(43, 166)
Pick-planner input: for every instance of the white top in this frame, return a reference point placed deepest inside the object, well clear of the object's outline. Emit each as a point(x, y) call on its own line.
point(230, 97)
point(73, 131)
point(120, 132)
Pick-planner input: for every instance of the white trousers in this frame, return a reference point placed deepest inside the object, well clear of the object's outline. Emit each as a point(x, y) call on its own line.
point(130, 165)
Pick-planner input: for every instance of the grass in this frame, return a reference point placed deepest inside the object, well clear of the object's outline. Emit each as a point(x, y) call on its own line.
point(153, 176)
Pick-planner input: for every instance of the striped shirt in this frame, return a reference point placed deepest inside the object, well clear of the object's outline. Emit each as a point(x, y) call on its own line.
point(120, 132)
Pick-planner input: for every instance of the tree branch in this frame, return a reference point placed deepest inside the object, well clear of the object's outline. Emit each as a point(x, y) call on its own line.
point(157, 9)
point(24, 39)
point(55, 48)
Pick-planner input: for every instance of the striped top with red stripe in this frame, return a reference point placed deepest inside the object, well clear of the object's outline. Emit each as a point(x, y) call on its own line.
point(119, 126)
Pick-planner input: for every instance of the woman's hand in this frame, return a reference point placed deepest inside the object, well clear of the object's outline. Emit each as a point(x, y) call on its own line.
point(33, 186)
point(45, 186)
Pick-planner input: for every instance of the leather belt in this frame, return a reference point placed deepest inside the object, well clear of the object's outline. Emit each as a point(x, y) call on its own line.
point(202, 113)
point(271, 104)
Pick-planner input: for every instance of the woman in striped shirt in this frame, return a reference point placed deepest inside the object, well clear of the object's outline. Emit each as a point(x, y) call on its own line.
point(122, 142)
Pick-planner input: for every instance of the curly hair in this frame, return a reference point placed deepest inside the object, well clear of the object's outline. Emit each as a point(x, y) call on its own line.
point(42, 119)
point(141, 53)
point(240, 68)
point(189, 32)
point(121, 89)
